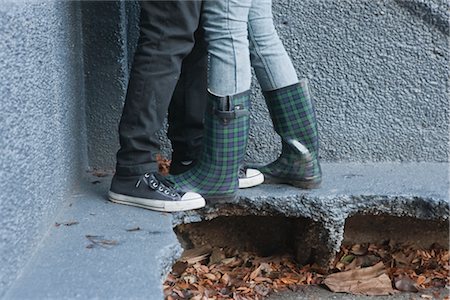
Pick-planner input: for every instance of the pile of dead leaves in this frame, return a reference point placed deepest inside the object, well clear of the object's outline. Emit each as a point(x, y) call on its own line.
point(212, 274)
point(359, 269)
point(409, 269)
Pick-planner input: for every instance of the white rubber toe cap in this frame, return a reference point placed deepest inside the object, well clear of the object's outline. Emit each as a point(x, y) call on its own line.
point(190, 196)
point(252, 178)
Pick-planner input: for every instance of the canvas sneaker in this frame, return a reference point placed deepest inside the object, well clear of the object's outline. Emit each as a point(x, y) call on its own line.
point(152, 191)
point(249, 177)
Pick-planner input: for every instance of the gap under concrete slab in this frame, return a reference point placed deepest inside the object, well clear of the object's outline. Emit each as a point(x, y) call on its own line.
point(63, 268)
point(417, 190)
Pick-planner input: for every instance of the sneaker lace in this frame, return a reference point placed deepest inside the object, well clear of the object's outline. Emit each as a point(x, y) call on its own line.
point(164, 185)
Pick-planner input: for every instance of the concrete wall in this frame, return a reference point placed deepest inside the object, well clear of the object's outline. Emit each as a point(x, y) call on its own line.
point(378, 71)
point(41, 123)
point(110, 33)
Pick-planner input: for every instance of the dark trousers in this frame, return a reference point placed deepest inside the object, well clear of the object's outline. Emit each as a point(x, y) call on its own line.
point(164, 55)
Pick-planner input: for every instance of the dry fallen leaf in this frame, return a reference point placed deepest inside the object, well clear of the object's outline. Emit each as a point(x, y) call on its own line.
point(179, 267)
point(133, 229)
point(193, 256)
point(163, 164)
point(405, 284)
point(69, 223)
point(366, 281)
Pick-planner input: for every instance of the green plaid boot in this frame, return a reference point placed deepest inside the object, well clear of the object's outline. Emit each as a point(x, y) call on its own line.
point(215, 176)
point(294, 119)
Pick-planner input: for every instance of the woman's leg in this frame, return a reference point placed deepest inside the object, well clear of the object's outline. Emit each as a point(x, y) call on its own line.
point(272, 64)
point(289, 103)
point(225, 24)
point(227, 116)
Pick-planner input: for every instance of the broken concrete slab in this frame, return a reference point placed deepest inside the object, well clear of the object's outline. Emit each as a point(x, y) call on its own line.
point(63, 268)
point(417, 190)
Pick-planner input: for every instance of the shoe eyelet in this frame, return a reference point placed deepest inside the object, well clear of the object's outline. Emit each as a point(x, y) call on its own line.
point(146, 175)
point(160, 189)
point(166, 192)
point(154, 185)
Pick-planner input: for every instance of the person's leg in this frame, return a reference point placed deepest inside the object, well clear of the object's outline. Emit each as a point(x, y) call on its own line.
point(166, 38)
point(187, 108)
point(186, 113)
point(227, 116)
point(269, 59)
point(289, 103)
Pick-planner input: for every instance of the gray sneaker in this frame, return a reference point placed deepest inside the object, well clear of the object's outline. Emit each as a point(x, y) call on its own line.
point(152, 191)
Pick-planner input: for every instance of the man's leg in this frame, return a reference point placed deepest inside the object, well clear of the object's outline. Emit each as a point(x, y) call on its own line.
point(166, 38)
point(187, 108)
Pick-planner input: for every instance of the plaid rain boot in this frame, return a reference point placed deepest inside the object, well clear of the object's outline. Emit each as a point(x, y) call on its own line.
point(294, 119)
point(215, 175)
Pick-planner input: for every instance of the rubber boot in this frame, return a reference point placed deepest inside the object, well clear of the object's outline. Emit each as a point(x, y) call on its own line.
point(294, 119)
point(215, 175)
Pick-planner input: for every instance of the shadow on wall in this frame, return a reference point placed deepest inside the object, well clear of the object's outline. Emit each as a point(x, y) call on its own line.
point(435, 15)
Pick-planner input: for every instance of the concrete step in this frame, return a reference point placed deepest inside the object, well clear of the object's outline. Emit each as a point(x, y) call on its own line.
point(64, 268)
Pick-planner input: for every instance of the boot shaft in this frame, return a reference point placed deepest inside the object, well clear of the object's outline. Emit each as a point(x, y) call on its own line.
point(226, 128)
point(293, 115)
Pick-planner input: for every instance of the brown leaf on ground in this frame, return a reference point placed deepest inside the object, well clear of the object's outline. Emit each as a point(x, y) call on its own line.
point(163, 164)
point(178, 268)
point(100, 173)
point(366, 281)
point(69, 223)
point(193, 256)
point(405, 284)
point(359, 249)
point(133, 229)
point(98, 240)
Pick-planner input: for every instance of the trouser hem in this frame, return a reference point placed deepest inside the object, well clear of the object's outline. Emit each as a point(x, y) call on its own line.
point(136, 170)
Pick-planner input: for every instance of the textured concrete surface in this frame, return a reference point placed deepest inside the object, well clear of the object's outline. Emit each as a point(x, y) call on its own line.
point(110, 34)
point(41, 122)
point(378, 71)
point(418, 190)
point(63, 268)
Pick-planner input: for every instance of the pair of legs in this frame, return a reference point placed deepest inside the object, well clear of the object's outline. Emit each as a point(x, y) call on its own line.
point(167, 31)
point(166, 64)
point(166, 40)
point(241, 34)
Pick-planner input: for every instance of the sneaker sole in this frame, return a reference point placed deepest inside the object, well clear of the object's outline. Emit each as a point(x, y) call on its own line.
point(158, 205)
point(249, 182)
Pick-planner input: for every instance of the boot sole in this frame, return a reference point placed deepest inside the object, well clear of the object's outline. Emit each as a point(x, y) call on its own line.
point(158, 205)
point(307, 185)
point(221, 199)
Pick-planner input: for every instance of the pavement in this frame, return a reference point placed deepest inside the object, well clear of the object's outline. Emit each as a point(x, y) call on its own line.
point(67, 265)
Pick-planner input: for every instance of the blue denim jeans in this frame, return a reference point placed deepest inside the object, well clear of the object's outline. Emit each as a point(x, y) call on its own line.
point(241, 34)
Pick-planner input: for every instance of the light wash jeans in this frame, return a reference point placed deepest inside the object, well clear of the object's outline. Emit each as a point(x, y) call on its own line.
point(240, 33)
